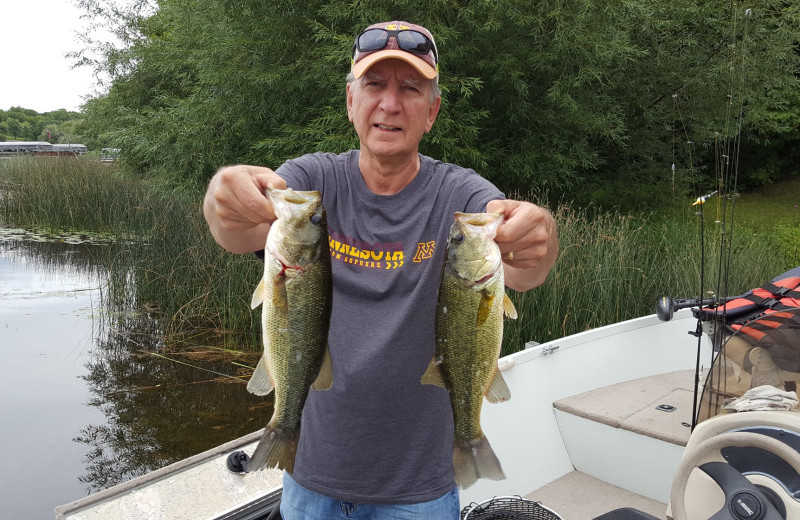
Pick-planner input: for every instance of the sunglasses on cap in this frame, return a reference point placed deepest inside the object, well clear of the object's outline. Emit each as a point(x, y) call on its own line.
point(408, 40)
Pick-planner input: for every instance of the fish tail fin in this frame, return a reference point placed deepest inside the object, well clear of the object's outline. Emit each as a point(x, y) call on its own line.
point(477, 460)
point(276, 449)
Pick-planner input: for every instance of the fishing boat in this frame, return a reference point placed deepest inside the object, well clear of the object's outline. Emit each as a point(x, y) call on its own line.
point(606, 423)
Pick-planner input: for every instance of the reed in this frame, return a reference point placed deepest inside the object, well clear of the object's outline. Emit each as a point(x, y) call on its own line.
point(163, 263)
point(166, 265)
point(613, 266)
point(58, 194)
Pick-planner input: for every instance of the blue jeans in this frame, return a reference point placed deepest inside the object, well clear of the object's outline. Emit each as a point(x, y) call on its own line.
point(299, 503)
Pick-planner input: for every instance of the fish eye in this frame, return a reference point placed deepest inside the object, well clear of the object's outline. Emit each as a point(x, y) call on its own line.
point(316, 218)
point(458, 238)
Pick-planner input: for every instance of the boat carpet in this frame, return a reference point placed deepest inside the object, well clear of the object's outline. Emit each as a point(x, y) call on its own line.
point(638, 406)
point(578, 496)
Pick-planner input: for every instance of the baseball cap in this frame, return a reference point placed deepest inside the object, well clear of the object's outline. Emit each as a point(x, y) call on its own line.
point(406, 41)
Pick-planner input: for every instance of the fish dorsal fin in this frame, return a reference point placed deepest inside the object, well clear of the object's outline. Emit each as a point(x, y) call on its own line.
point(508, 307)
point(325, 377)
point(258, 295)
point(498, 391)
point(260, 382)
point(432, 375)
point(485, 306)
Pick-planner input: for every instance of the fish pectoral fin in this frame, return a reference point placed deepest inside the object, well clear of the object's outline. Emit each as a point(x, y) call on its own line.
point(260, 382)
point(485, 306)
point(258, 295)
point(325, 377)
point(508, 307)
point(498, 391)
point(432, 375)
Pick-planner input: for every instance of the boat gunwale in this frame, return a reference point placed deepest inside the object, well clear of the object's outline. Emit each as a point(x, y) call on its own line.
point(62, 511)
point(580, 338)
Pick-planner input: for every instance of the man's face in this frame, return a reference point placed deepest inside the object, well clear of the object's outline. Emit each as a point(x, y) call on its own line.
point(391, 109)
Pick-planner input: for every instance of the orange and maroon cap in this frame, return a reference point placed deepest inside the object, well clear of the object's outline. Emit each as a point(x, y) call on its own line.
point(419, 51)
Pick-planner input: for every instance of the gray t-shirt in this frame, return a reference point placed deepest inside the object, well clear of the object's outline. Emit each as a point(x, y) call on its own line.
point(378, 435)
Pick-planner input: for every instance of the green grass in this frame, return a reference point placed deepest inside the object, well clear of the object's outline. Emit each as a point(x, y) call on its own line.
point(776, 205)
point(612, 266)
point(775, 212)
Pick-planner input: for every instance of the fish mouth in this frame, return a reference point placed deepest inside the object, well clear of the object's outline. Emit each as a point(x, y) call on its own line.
point(293, 202)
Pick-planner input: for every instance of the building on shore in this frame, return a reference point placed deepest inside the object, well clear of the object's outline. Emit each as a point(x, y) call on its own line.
point(41, 148)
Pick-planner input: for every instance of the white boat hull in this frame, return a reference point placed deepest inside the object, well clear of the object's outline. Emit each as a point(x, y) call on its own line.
point(529, 438)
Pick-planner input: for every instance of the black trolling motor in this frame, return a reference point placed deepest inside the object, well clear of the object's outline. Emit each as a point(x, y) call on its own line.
point(666, 305)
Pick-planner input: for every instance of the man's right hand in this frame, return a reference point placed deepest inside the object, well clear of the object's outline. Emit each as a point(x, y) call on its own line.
point(237, 211)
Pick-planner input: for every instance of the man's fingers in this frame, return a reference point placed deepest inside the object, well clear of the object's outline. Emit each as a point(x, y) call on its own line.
point(524, 236)
point(240, 198)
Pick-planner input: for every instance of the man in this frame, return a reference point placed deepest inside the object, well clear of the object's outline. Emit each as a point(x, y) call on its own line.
point(379, 444)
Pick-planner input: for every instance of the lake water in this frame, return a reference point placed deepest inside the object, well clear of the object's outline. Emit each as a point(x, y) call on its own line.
point(90, 398)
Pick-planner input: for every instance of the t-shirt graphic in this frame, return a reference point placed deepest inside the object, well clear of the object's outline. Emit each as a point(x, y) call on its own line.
point(378, 255)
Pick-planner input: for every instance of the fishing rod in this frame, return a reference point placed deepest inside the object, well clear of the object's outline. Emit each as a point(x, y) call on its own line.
point(701, 201)
point(727, 177)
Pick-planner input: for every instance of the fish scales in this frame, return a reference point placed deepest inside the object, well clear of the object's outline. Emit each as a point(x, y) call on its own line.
point(295, 315)
point(468, 338)
point(296, 293)
point(471, 348)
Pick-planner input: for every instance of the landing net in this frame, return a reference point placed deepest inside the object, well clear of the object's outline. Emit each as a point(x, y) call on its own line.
point(508, 508)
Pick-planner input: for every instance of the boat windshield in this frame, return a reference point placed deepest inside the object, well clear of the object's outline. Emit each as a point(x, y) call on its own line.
point(757, 368)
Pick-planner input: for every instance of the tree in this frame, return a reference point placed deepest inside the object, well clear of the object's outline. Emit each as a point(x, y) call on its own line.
point(581, 98)
point(28, 125)
point(11, 126)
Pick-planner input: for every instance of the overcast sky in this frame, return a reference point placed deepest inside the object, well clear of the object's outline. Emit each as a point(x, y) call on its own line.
point(34, 37)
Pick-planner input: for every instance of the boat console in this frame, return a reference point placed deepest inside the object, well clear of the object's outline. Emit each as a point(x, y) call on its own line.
point(742, 461)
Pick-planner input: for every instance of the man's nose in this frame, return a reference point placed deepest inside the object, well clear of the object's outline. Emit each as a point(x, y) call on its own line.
point(390, 99)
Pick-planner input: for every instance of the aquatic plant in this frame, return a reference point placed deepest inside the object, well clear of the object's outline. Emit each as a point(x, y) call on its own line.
point(163, 259)
point(613, 266)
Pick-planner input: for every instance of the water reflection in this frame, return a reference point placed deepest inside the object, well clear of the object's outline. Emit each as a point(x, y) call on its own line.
point(63, 348)
point(161, 405)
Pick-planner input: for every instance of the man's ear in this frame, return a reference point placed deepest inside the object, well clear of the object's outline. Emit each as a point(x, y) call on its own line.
point(349, 95)
point(432, 113)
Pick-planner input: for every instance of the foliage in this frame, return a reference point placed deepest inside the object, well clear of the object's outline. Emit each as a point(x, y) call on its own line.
point(23, 124)
point(590, 99)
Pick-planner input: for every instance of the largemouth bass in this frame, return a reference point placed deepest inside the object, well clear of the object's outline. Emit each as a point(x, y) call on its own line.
point(296, 293)
point(469, 333)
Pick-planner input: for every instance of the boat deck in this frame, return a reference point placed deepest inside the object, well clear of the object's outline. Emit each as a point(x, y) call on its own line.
point(657, 407)
point(578, 496)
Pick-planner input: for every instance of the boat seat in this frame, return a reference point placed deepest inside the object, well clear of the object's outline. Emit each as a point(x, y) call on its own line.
point(626, 513)
point(639, 406)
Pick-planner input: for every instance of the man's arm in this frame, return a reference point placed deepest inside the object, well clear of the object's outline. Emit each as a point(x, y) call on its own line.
point(528, 240)
point(237, 211)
